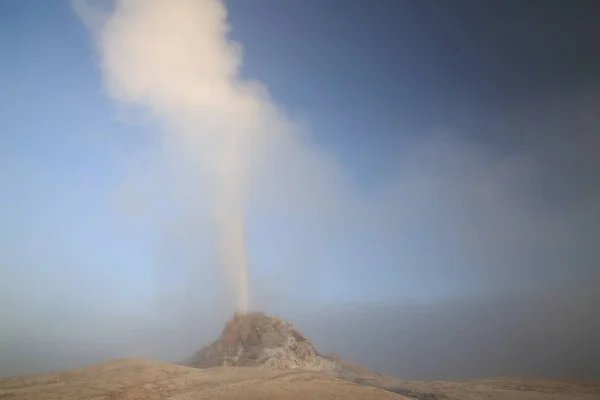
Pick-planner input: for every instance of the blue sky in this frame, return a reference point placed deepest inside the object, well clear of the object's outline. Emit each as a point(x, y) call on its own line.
point(60, 163)
point(446, 151)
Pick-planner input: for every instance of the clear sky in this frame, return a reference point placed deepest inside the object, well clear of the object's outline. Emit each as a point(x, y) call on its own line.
point(432, 154)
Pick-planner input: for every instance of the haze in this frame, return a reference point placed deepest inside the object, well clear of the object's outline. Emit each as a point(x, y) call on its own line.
point(413, 184)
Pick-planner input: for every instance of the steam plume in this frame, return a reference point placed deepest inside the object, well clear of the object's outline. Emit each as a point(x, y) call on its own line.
point(172, 58)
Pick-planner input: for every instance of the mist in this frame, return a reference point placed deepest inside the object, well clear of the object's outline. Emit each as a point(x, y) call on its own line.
point(465, 259)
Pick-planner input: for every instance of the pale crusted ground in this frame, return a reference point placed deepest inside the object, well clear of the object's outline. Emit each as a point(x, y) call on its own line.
point(132, 379)
point(491, 389)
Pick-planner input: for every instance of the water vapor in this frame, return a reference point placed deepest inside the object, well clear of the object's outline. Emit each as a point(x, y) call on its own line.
point(173, 60)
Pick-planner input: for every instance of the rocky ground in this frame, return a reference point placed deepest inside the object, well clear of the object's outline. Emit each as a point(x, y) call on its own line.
point(259, 340)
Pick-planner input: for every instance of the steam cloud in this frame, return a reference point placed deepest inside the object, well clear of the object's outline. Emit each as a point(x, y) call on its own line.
point(173, 59)
point(234, 148)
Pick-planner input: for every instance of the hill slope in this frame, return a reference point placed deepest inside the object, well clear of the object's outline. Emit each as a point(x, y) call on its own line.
point(137, 379)
point(133, 379)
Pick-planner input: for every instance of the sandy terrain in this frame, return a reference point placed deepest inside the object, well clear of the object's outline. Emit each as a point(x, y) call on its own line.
point(146, 379)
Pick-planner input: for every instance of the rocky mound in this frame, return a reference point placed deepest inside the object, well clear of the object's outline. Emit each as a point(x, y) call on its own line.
point(258, 340)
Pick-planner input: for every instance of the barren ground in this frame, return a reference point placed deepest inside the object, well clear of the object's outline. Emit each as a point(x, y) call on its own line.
point(146, 379)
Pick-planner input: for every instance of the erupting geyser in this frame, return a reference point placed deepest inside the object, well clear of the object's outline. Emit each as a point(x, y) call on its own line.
point(173, 59)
